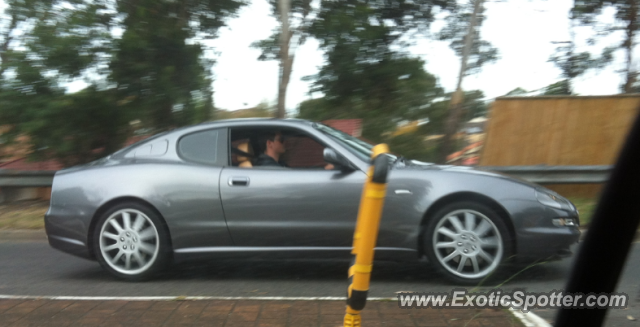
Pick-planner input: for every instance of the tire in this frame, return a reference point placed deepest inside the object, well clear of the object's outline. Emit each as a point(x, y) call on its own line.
point(462, 253)
point(131, 242)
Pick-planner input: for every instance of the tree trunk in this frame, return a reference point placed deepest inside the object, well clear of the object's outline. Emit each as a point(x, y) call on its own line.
point(455, 106)
point(628, 44)
point(285, 62)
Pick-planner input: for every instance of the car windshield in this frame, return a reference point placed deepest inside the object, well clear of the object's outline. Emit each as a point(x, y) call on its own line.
point(356, 146)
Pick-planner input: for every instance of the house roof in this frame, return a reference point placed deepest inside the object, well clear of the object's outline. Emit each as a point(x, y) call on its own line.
point(468, 151)
point(23, 164)
point(352, 127)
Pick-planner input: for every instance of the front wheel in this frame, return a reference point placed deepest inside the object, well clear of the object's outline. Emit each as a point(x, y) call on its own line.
point(131, 242)
point(467, 241)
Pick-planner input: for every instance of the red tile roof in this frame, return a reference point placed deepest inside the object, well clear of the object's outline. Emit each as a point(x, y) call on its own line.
point(352, 127)
point(23, 164)
point(466, 156)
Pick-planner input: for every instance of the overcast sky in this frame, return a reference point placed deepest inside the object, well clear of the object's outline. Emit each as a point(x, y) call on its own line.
point(522, 31)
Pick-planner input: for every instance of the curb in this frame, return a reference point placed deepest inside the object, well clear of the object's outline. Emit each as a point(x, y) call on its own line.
point(529, 319)
point(23, 235)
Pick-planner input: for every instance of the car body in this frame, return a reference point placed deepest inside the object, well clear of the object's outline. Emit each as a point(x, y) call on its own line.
point(199, 202)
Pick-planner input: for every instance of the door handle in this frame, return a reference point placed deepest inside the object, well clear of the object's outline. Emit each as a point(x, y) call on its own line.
point(238, 181)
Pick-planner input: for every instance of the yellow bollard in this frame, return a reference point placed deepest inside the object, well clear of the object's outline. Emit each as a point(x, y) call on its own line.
point(366, 234)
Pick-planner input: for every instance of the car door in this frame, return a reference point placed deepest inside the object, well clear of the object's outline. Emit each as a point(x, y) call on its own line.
point(276, 207)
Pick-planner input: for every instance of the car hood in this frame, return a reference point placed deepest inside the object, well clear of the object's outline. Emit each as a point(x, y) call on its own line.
point(418, 165)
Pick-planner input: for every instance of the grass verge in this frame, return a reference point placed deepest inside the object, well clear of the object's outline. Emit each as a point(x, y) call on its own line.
point(23, 214)
point(586, 208)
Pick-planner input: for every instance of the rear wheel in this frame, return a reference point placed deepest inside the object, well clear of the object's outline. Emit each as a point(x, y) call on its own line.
point(131, 242)
point(467, 241)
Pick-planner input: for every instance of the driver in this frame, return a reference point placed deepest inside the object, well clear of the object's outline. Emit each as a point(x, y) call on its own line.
point(271, 147)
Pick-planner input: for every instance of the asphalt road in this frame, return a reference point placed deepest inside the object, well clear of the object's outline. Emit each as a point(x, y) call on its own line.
point(33, 268)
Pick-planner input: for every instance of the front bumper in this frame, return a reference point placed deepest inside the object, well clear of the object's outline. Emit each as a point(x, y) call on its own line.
point(547, 242)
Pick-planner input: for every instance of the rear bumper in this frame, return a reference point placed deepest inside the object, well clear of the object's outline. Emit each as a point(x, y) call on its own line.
point(66, 239)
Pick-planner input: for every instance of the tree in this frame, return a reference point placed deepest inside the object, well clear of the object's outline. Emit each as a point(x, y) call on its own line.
point(158, 68)
point(463, 21)
point(589, 12)
point(365, 75)
point(573, 64)
point(294, 21)
point(462, 29)
point(156, 71)
point(560, 88)
point(518, 91)
point(381, 94)
point(61, 40)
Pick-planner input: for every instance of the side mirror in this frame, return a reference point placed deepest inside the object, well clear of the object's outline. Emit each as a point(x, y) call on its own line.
point(334, 158)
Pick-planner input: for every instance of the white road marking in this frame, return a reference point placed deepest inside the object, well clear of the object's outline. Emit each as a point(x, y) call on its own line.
point(185, 298)
point(530, 319)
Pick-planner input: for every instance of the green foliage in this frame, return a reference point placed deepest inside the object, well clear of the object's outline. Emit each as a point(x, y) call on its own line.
point(560, 88)
point(319, 110)
point(473, 106)
point(413, 146)
point(381, 93)
point(155, 72)
point(586, 207)
point(73, 128)
point(155, 68)
point(572, 64)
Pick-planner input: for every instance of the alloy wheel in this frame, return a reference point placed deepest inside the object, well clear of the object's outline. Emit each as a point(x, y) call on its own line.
point(129, 241)
point(467, 244)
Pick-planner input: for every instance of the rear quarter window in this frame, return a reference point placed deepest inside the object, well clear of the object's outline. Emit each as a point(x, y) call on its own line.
point(202, 147)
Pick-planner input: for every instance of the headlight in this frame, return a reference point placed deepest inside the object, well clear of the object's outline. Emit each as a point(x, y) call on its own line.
point(553, 200)
point(565, 222)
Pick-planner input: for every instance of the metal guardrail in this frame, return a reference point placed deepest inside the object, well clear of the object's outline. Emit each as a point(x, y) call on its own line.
point(20, 178)
point(556, 174)
point(535, 174)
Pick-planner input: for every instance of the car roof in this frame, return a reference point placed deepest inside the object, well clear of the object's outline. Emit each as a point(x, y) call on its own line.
point(191, 128)
point(256, 119)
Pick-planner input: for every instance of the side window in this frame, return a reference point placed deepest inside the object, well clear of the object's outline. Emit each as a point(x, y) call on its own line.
point(290, 148)
point(201, 147)
point(303, 152)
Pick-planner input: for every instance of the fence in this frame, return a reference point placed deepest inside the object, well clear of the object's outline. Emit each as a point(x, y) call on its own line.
point(558, 131)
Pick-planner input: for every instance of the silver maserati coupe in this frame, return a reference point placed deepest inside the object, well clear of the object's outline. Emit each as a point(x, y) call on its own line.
point(291, 188)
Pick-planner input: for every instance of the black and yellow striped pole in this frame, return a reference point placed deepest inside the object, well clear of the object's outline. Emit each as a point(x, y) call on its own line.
point(366, 234)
